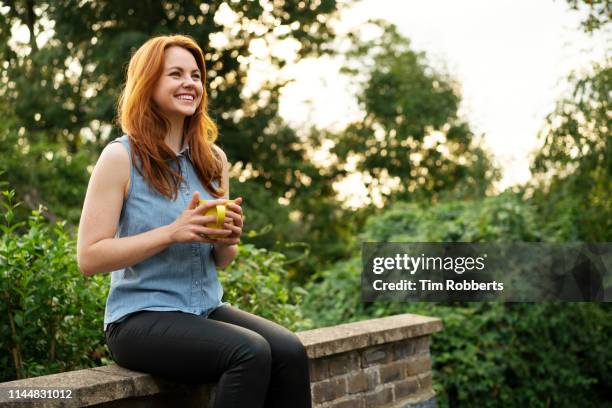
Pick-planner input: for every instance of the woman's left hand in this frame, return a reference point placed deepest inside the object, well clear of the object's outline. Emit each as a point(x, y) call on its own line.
point(233, 211)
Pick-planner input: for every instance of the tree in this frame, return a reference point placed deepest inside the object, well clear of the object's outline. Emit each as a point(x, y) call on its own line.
point(63, 83)
point(411, 131)
point(599, 13)
point(573, 169)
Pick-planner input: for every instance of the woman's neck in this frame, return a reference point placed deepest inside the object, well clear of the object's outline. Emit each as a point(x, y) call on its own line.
point(174, 137)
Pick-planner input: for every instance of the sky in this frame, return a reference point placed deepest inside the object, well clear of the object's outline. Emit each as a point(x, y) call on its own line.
point(511, 58)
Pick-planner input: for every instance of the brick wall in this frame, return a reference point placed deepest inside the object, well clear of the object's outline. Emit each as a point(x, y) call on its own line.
point(392, 373)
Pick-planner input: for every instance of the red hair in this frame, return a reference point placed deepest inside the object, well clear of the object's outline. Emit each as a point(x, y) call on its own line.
point(146, 127)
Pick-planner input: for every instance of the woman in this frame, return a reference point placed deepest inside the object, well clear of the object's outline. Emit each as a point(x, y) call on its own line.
point(142, 221)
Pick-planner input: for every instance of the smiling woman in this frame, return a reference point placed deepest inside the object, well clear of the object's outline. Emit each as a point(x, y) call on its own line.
point(142, 221)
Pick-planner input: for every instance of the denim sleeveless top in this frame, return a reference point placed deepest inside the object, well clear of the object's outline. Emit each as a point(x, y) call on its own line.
point(183, 276)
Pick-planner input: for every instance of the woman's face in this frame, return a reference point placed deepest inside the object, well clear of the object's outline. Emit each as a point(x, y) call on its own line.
point(178, 91)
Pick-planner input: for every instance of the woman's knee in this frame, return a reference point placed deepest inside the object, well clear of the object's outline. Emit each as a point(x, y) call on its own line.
point(291, 349)
point(254, 348)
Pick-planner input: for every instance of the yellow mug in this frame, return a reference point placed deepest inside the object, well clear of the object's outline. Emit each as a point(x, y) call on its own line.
point(219, 212)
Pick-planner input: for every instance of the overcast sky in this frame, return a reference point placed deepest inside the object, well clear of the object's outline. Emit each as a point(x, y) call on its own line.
point(511, 57)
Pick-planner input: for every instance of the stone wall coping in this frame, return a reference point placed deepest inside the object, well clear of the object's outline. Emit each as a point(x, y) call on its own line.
point(91, 386)
point(112, 382)
point(345, 337)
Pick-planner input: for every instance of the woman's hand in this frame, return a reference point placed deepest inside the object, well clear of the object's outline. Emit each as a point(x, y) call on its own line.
point(234, 211)
point(189, 226)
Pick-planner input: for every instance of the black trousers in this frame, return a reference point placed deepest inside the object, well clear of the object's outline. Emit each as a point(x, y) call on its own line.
point(255, 362)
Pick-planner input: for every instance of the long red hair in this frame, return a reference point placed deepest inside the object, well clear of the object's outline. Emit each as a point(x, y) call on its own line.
point(146, 127)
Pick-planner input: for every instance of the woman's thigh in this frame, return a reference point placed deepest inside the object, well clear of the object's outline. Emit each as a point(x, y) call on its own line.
point(284, 344)
point(179, 346)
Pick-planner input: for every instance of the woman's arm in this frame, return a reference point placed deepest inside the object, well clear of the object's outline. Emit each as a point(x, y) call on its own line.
point(98, 250)
point(224, 254)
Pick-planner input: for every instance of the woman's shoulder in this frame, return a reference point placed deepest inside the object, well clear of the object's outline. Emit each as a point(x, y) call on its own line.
point(121, 140)
point(117, 150)
point(115, 159)
point(116, 153)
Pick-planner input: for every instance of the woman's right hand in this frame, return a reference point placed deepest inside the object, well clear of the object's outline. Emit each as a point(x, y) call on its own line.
point(189, 226)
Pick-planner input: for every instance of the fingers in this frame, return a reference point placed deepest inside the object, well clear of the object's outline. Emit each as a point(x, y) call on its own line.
point(236, 205)
point(212, 231)
point(206, 240)
point(234, 228)
point(227, 241)
point(236, 208)
point(235, 217)
point(206, 219)
point(208, 204)
point(194, 201)
point(233, 239)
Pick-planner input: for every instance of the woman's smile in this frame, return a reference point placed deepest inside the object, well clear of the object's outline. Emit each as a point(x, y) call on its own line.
point(185, 98)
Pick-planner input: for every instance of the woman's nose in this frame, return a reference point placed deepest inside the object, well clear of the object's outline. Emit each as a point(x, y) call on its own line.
point(189, 81)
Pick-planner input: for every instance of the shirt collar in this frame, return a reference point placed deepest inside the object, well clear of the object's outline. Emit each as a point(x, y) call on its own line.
point(186, 152)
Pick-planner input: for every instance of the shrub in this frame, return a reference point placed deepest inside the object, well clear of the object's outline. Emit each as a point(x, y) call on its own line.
point(258, 282)
point(488, 354)
point(52, 316)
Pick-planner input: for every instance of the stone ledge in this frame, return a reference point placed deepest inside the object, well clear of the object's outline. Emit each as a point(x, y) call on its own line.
point(98, 385)
point(108, 385)
point(326, 341)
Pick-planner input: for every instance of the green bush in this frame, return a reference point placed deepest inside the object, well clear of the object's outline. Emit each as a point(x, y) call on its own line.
point(52, 316)
point(258, 282)
point(489, 354)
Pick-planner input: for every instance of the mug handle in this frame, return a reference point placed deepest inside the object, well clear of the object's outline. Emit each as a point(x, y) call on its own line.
point(220, 214)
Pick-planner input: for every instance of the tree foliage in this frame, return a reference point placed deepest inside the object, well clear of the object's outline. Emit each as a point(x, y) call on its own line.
point(599, 13)
point(573, 169)
point(61, 86)
point(411, 131)
point(489, 353)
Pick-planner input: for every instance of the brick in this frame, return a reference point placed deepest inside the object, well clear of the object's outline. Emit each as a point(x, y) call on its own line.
point(357, 382)
point(318, 368)
point(392, 371)
point(406, 387)
point(418, 365)
point(425, 381)
point(328, 390)
point(422, 345)
point(320, 392)
point(379, 397)
point(339, 387)
point(343, 363)
point(373, 377)
point(376, 355)
point(352, 403)
point(404, 348)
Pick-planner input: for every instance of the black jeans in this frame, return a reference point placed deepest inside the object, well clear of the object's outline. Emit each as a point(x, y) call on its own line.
point(255, 362)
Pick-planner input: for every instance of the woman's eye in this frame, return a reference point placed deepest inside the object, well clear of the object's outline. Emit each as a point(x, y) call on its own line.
point(174, 74)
